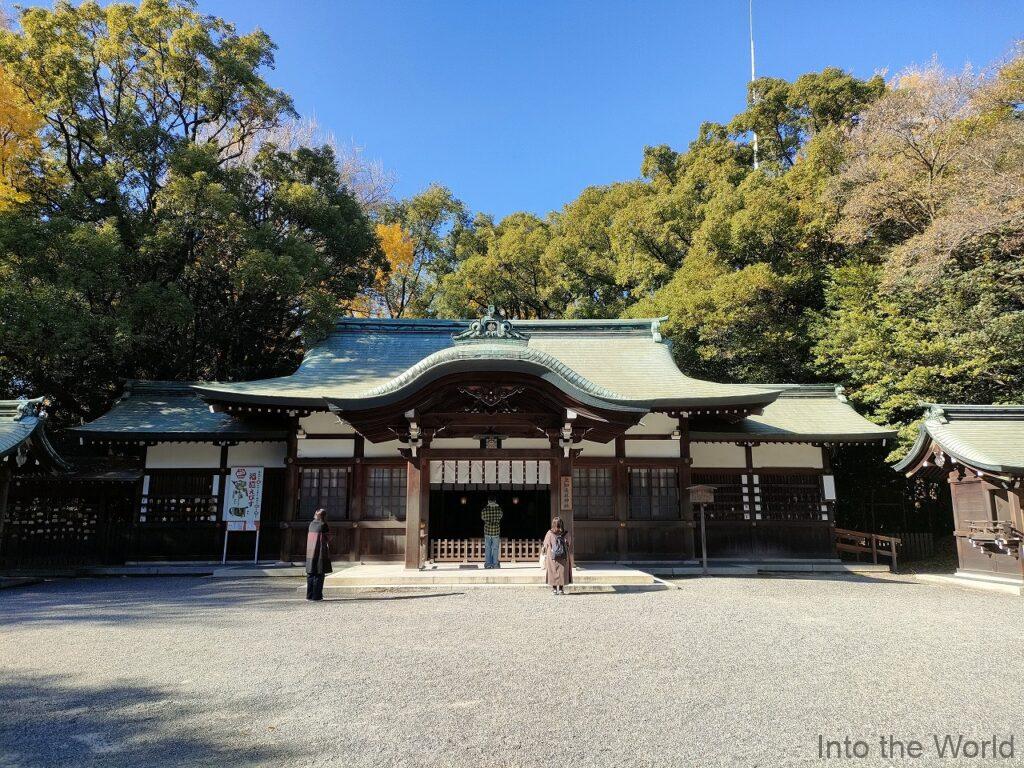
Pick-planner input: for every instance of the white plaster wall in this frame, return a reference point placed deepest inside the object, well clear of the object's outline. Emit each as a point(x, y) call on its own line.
point(652, 449)
point(718, 455)
point(325, 424)
point(389, 448)
point(654, 424)
point(257, 455)
point(310, 448)
point(787, 455)
point(524, 443)
point(183, 455)
point(591, 449)
point(460, 443)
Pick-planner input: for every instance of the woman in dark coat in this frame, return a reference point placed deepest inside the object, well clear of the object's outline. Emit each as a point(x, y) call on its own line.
point(318, 556)
point(557, 551)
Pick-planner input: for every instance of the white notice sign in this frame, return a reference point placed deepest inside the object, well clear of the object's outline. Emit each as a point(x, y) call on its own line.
point(243, 495)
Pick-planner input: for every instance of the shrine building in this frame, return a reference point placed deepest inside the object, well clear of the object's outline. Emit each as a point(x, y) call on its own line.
point(402, 430)
point(979, 451)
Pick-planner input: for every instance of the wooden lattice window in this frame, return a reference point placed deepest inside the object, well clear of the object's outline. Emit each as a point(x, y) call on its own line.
point(728, 503)
point(181, 496)
point(786, 497)
point(385, 493)
point(593, 497)
point(653, 493)
point(326, 488)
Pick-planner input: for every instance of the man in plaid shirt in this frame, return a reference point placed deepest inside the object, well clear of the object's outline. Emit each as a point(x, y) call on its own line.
point(491, 515)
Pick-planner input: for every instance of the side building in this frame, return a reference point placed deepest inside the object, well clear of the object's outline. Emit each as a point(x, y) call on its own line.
point(402, 429)
point(979, 451)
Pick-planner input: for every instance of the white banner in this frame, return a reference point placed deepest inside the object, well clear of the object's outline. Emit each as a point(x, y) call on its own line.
point(243, 496)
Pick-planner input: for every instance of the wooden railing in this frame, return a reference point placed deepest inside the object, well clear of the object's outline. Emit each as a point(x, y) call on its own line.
point(472, 550)
point(873, 544)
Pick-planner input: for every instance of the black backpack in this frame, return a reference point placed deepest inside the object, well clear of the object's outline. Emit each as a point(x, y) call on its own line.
point(558, 546)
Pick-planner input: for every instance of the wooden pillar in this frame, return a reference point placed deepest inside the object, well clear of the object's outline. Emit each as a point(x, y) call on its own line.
point(291, 491)
point(417, 470)
point(424, 536)
point(5, 484)
point(562, 469)
point(219, 491)
point(826, 469)
point(357, 498)
point(685, 481)
point(1016, 498)
point(752, 498)
point(620, 487)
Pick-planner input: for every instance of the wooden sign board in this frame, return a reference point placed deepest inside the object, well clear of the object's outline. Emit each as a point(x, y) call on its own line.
point(565, 494)
point(702, 494)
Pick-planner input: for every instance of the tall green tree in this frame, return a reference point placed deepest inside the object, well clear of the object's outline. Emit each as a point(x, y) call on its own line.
point(928, 195)
point(156, 242)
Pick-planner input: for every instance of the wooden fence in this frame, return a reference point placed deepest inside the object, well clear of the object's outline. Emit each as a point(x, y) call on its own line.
point(916, 545)
point(472, 550)
point(873, 544)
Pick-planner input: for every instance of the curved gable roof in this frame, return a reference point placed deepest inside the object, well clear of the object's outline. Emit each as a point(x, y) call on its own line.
point(625, 360)
point(985, 437)
point(22, 422)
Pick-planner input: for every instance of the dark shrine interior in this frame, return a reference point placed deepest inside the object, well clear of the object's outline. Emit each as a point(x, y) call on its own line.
point(455, 514)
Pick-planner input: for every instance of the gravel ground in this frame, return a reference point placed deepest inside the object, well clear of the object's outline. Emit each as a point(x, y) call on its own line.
point(737, 672)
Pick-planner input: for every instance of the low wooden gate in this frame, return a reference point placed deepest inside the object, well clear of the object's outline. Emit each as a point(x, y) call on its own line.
point(472, 550)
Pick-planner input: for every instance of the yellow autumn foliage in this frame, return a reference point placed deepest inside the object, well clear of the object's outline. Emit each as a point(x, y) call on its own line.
point(19, 141)
point(395, 287)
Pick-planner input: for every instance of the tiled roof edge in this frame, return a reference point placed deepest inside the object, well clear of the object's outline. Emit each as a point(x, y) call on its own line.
point(971, 412)
point(647, 326)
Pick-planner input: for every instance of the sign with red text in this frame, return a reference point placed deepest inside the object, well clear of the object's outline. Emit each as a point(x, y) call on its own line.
point(243, 496)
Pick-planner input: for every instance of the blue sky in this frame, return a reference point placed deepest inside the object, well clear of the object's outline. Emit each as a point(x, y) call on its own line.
point(520, 104)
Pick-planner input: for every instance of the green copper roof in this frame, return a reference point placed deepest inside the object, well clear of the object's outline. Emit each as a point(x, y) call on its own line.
point(619, 361)
point(802, 413)
point(985, 437)
point(171, 410)
point(22, 425)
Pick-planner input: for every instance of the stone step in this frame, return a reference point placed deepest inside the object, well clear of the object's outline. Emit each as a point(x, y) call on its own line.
point(250, 572)
point(425, 589)
point(985, 582)
point(754, 568)
point(466, 579)
point(444, 577)
point(713, 570)
point(370, 575)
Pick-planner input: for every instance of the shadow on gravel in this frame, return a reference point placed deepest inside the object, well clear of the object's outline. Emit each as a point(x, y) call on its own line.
point(137, 599)
point(49, 721)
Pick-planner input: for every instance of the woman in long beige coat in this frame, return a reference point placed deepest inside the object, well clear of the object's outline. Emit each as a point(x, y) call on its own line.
point(557, 550)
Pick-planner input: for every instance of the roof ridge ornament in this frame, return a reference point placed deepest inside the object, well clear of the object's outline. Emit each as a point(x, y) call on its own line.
point(35, 407)
point(936, 412)
point(493, 326)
